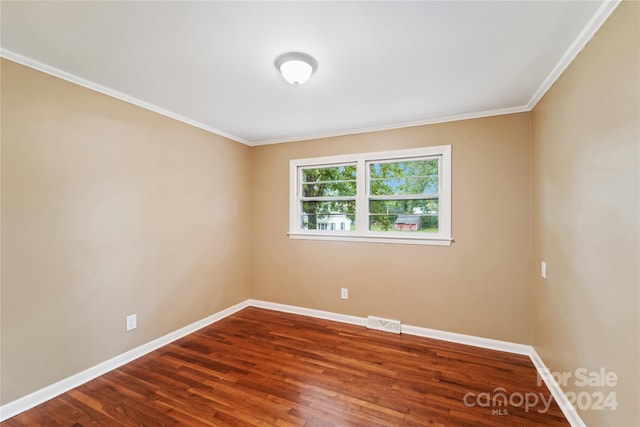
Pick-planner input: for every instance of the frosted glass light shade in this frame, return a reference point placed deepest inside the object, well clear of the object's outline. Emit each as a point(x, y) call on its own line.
point(296, 72)
point(296, 68)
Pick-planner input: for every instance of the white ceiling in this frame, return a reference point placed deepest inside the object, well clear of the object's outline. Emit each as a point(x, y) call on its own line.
point(380, 64)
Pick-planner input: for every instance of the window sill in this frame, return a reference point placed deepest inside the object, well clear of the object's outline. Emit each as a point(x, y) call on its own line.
point(405, 240)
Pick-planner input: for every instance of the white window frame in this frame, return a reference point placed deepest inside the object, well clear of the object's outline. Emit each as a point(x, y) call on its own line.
point(362, 232)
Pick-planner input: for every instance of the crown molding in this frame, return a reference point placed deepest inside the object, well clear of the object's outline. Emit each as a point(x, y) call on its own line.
point(47, 69)
point(592, 27)
point(594, 24)
point(392, 126)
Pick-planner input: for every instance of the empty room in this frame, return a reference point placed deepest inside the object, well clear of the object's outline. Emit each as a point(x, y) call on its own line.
point(320, 213)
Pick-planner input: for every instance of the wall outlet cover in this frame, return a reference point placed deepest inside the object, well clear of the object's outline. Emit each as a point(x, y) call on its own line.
point(132, 322)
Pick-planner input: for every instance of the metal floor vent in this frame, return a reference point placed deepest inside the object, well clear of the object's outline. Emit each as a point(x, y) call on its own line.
point(387, 325)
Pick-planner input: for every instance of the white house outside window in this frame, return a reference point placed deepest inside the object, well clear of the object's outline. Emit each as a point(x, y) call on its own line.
point(396, 197)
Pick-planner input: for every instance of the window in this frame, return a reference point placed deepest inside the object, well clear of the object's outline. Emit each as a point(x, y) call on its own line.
point(397, 197)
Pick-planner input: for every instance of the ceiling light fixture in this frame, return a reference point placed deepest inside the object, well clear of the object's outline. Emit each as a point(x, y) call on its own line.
point(296, 67)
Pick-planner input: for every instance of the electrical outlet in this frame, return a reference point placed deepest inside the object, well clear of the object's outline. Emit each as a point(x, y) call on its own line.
point(543, 269)
point(344, 293)
point(132, 322)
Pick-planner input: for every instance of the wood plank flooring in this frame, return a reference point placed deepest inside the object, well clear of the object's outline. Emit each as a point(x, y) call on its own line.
point(265, 368)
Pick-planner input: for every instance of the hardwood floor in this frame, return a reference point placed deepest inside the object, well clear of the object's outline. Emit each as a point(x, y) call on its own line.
point(265, 368)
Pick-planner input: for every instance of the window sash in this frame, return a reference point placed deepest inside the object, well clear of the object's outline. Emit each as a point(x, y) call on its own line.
point(400, 196)
point(363, 196)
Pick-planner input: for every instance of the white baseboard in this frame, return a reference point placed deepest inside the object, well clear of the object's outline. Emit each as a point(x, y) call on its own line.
point(319, 314)
point(526, 350)
point(405, 329)
point(566, 407)
point(506, 346)
point(40, 396)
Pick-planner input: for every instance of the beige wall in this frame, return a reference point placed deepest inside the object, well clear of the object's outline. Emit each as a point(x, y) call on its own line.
point(478, 286)
point(586, 139)
point(109, 210)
